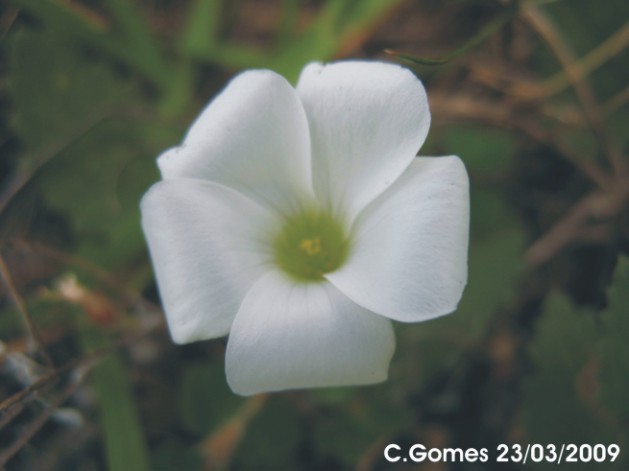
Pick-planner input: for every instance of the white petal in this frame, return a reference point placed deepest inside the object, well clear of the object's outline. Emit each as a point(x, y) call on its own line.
point(367, 122)
point(409, 259)
point(253, 137)
point(207, 246)
point(289, 335)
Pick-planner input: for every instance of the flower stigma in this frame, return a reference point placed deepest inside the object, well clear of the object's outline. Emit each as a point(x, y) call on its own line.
point(310, 244)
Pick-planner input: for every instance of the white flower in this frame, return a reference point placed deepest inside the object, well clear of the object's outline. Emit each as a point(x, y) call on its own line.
point(299, 222)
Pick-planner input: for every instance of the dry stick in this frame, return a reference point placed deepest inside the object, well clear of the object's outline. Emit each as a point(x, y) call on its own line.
point(10, 415)
point(496, 114)
point(86, 361)
point(218, 448)
point(7, 20)
point(590, 109)
point(504, 80)
point(370, 458)
point(596, 206)
point(588, 169)
point(572, 225)
point(616, 101)
point(19, 398)
point(38, 423)
point(13, 405)
point(21, 306)
point(104, 276)
point(605, 51)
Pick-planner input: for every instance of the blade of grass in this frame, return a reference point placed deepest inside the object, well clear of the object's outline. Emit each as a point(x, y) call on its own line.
point(202, 27)
point(139, 37)
point(472, 43)
point(338, 21)
point(288, 21)
point(234, 56)
point(69, 23)
point(122, 430)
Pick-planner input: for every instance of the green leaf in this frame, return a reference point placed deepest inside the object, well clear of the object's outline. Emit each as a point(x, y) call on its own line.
point(103, 204)
point(578, 392)
point(55, 92)
point(68, 25)
point(91, 158)
point(558, 404)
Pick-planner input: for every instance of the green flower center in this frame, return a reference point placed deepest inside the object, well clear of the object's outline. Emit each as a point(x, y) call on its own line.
point(311, 244)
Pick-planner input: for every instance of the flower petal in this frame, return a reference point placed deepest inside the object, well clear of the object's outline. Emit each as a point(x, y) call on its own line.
point(206, 245)
point(367, 122)
point(253, 137)
point(409, 259)
point(289, 335)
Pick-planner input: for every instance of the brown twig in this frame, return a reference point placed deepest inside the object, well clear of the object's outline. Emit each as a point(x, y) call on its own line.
point(372, 454)
point(21, 306)
point(589, 106)
point(594, 208)
point(20, 397)
point(10, 414)
point(102, 275)
point(463, 107)
point(590, 62)
point(616, 101)
point(218, 448)
point(7, 20)
point(86, 361)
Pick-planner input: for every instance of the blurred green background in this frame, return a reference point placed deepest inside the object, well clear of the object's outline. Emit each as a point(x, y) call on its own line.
point(532, 95)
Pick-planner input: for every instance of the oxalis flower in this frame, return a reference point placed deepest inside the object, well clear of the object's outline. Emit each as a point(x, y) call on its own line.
point(299, 222)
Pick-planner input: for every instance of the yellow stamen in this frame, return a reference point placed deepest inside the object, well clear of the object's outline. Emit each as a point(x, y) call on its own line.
point(311, 246)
